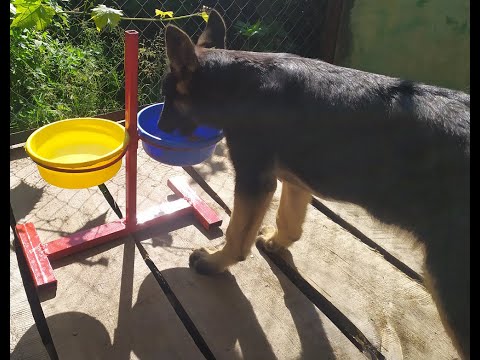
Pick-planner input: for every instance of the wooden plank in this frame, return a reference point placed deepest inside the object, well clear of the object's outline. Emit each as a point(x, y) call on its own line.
point(38, 263)
point(252, 313)
point(108, 306)
point(129, 317)
point(204, 213)
point(162, 213)
point(25, 342)
point(395, 313)
point(84, 239)
point(398, 242)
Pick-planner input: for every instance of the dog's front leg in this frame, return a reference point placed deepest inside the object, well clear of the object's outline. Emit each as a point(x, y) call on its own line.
point(290, 217)
point(249, 209)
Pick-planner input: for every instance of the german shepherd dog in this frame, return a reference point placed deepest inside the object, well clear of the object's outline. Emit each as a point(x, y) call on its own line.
point(399, 149)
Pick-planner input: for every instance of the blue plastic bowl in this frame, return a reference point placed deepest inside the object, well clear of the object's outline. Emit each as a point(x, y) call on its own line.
point(175, 149)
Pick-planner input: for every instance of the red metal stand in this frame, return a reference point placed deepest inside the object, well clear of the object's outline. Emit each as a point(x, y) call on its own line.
point(39, 255)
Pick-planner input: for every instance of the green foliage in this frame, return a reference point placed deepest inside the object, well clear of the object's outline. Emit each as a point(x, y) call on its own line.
point(265, 36)
point(56, 76)
point(38, 14)
point(62, 67)
point(31, 14)
point(104, 16)
point(151, 68)
point(245, 29)
point(53, 79)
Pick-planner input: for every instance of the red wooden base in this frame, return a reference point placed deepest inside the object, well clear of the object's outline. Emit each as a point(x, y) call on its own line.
point(39, 255)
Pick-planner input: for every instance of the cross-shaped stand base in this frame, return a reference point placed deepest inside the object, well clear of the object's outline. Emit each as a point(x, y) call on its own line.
point(40, 255)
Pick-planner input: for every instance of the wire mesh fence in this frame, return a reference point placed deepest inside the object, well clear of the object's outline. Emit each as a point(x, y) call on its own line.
point(75, 71)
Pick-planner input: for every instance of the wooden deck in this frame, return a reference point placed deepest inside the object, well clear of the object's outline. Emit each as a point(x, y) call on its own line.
point(349, 284)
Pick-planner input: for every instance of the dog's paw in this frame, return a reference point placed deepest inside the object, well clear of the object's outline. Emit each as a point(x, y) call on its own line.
point(204, 263)
point(266, 236)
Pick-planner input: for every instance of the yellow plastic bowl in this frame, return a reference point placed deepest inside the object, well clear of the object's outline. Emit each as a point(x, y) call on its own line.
point(78, 153)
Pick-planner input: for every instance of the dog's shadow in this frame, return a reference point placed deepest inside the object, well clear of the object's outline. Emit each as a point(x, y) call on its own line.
point(222, 314)
point(310, 329)
point(149, 328)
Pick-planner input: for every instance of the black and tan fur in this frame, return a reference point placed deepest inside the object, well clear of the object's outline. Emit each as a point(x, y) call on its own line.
point(400, 149)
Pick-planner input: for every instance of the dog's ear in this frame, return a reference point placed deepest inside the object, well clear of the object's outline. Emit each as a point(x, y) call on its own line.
point(214, 34)
point(180, 50)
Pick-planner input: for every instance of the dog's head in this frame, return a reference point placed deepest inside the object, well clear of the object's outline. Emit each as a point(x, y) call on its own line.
point(183, 63)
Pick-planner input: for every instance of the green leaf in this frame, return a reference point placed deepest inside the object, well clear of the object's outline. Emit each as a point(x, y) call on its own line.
point(59, 11)
point(204, 15)
point(248, 30)
point(32, 14)
point(13, 10)
point(104, 16)
point(163, 14)
point(64, 18)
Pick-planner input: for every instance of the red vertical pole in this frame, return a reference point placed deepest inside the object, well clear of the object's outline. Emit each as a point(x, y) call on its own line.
point(131, 103)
